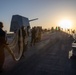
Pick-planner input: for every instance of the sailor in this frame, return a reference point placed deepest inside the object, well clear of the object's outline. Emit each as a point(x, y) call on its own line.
point(2, 46)
point(33, 36)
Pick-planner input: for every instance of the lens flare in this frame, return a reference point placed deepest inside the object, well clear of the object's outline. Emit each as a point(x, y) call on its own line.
point(65, 24)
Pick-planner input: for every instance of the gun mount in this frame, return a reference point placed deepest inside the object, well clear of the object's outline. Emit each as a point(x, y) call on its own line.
point(19, 21)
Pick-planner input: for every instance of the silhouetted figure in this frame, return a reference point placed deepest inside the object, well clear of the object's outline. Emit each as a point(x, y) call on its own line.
point(38, 33)
point(56, 28)
point(33, 36)
point(2, 45)
point(52, 29)
point(2, 41)
point(28, 30)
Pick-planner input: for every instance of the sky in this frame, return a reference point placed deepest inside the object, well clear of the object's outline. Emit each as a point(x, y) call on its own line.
point(48, 12)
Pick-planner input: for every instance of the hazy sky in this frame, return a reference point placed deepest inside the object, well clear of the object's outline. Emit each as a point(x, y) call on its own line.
point(49, 12)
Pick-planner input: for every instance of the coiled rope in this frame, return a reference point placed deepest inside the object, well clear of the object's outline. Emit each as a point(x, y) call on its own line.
point(14, 44)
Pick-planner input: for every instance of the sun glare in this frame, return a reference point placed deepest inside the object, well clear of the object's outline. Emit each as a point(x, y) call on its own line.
point(65, 24)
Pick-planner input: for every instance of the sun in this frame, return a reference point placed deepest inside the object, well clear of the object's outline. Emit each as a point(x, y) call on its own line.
point(65, 24)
